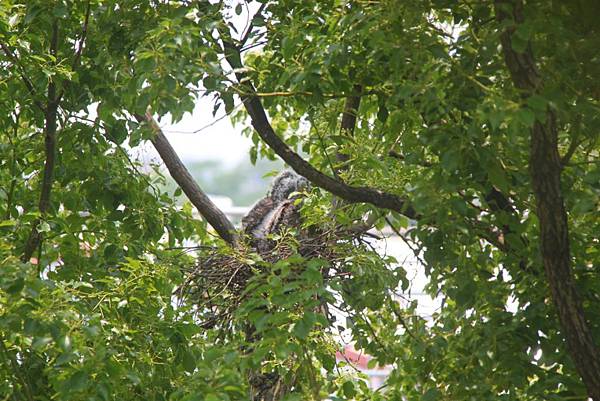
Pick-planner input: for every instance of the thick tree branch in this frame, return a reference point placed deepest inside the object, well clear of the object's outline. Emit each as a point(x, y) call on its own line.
point(207, 209)
point(545, 169)
point(349, 116)
point(51, 111)
point(351, 112)
point(263, 127)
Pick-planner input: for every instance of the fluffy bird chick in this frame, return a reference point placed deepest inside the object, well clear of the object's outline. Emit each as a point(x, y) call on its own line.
point(268, 213)
point(285, 183)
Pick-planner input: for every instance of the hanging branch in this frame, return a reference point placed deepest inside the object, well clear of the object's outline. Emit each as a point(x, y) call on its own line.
point(545, 169)
point(207, 209)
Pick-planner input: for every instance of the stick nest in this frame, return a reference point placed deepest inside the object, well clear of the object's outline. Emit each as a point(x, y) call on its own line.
point(219, 274)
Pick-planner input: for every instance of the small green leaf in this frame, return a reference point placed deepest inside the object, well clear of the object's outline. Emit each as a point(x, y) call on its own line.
point(76, 382)
point(43, 227)
point(349, 390)
point(41, 342)
point(495, 118)
point(518, 44)
point(64, 342)
point(65, 358)
point(526, 116)
point(537, 103)
point(16, 286)
point(188, 361)
point(303, 326)
point(497, 177)
point(134, 378)
point(432, 394)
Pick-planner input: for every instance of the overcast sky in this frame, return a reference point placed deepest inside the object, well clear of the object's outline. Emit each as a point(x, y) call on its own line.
point(217, 139)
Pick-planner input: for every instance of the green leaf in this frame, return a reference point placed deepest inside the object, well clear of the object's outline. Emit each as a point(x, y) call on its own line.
point(519, 44)
point(348, 389)
point(41, 342)
point(432, 394)
point(537, 103)
point(525, 116)
point(497, 177)
point(495, 117)
point(16, 286)
point(134, 378)
point(189, 361)
point(77, 382)
point(65, 359)
point(43, 227)
point(60, 10)
point(64, 343)
point(303, 326)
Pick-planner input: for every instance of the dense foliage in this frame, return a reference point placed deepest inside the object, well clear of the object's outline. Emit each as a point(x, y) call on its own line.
point(446, 102)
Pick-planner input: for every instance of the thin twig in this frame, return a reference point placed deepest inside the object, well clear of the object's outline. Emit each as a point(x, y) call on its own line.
point(24, 77)
point(250, 27)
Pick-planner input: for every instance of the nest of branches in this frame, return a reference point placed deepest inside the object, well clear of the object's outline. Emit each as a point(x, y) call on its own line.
point(218, 280)
point(218, 273)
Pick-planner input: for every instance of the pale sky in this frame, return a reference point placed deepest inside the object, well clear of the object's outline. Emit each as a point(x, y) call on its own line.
point(217, 139)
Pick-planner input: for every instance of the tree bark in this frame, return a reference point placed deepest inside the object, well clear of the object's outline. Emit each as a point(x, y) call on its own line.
point(207, 209)
point(35, 237)
point(265, 131)
point(545, 170)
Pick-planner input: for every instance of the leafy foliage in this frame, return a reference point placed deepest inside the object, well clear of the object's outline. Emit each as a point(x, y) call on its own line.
point(94, 315)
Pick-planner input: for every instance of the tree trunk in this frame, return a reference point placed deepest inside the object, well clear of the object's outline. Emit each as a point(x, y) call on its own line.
point(545, 169)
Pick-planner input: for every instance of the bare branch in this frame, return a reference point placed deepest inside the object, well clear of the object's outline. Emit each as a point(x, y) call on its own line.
point(207, 209)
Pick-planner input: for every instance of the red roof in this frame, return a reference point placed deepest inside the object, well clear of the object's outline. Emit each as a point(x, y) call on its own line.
point(357, 358)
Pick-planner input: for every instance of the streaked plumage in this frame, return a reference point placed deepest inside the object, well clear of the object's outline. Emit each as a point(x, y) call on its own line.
point(274, 211)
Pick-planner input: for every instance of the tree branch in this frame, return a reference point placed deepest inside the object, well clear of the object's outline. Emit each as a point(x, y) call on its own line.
point(207, 209)
point(265, 131)
point(246, 35)
point(83, 36)
point(575, 142)
point(545, 169)
point(351, 112)
point(24, 78)
point(51, 112)
point(349, 118)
